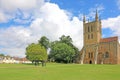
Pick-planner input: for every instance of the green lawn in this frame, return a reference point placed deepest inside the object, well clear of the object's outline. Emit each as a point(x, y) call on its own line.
point(59, 72)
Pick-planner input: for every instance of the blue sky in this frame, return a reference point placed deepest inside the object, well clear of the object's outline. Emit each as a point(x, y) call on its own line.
point(22, 23)
point(83, 6)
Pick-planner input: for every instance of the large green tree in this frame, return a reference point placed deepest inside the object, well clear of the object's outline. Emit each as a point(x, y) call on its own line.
point(68, 40)
point(36, 53)
point(44, 41)
point(64, 51)
point(61, 52)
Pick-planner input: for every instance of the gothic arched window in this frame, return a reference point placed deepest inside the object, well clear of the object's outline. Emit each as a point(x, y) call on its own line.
point(90, 55)
point(106, 55)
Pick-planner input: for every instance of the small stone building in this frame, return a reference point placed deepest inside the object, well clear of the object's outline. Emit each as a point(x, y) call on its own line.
point(98, 50)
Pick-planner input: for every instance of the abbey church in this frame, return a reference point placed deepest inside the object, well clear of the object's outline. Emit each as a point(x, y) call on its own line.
point(98, 50)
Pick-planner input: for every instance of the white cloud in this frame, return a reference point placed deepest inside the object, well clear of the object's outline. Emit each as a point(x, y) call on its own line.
point(18, 8)
point(56, 22)
point(14, 51)
point(112, 24)
point(11, 5)
point(13, 40)
point(4, 17)
point(14, 37)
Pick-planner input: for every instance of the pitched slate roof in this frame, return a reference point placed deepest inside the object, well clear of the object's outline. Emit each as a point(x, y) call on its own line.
point(110, 39)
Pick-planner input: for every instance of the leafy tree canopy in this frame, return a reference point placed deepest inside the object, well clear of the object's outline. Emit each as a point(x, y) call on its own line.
point(44, 41)
point(36, 52)
point(68, 40)
point(61, 52)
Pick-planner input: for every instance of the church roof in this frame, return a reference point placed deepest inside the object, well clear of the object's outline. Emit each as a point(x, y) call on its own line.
point(110, 39)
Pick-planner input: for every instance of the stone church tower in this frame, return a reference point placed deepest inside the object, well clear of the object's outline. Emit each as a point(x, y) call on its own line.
point(98, 50)
point(92, 31)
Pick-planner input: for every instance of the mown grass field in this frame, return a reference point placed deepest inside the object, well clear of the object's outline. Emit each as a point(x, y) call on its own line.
point(59, 72)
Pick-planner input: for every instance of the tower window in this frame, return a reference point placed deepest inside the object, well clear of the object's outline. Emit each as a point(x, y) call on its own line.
point(91, 28)
point(88, 29)
point(88, 36)
point(91, 36)
point(90, 55)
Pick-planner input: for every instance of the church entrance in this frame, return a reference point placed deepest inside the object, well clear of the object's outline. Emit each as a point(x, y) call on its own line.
point(90, 62)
